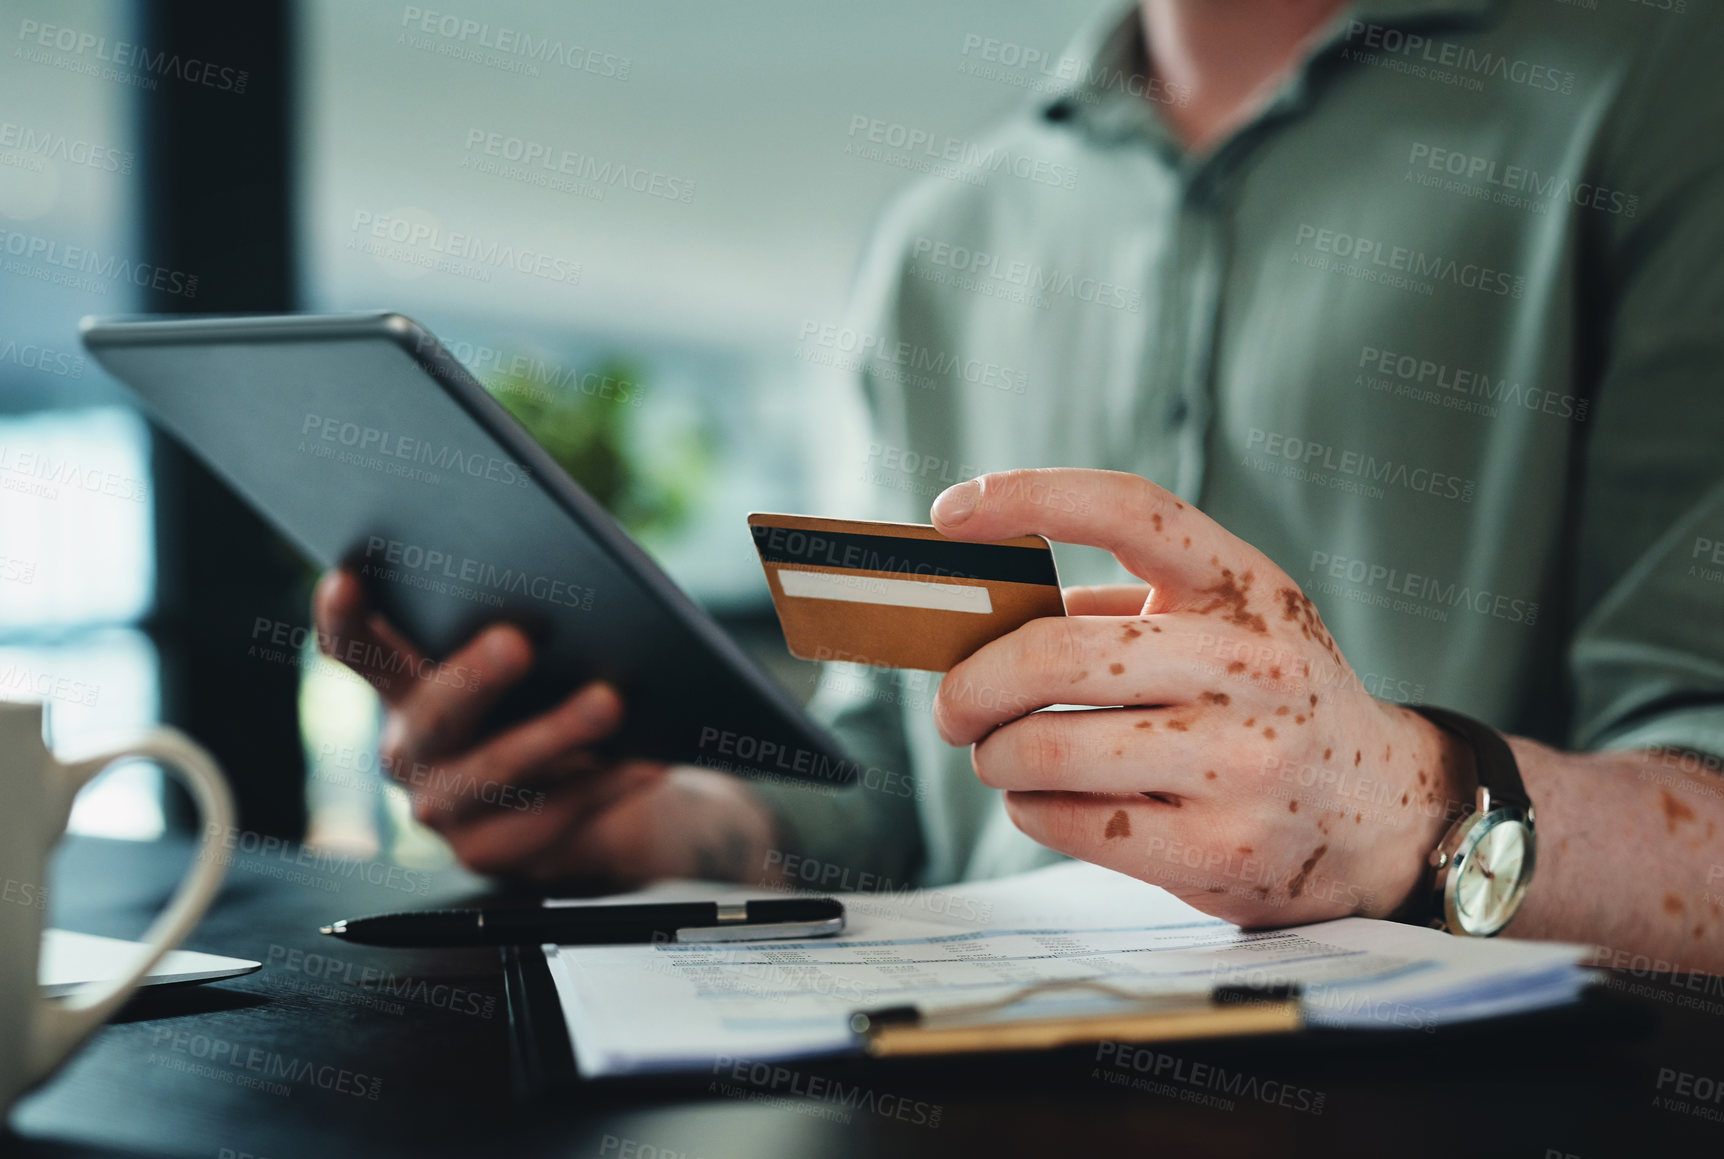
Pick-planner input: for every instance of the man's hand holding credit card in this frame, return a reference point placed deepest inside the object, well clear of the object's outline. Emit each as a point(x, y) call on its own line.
point(899, 595)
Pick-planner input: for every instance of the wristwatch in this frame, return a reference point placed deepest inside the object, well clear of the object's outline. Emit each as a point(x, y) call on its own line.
point(1480, 870)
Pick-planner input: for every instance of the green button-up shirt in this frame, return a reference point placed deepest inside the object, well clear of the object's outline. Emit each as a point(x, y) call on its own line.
point(1440, 331)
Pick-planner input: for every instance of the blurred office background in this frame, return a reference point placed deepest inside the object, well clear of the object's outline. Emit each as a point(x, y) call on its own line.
point(131, 584)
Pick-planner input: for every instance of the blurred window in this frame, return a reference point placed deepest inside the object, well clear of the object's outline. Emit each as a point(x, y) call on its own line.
point(76, 557)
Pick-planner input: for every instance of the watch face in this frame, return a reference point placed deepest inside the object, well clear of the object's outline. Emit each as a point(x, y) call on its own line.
point(1491, 872)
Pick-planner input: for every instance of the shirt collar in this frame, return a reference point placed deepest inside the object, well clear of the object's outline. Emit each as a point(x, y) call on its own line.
point(1106, 66)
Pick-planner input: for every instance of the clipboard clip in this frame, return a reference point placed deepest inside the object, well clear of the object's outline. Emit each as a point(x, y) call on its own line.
point(1226, 1010)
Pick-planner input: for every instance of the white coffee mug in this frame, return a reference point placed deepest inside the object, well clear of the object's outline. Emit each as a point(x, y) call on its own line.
point(38, 1033)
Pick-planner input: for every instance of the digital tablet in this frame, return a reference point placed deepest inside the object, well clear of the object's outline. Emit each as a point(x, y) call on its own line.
point(369, 445)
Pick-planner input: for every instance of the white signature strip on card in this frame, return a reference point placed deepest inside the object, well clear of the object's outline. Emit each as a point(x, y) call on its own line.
point(864, 589)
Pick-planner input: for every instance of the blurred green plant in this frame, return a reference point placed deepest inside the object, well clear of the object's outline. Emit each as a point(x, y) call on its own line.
point(590, 423)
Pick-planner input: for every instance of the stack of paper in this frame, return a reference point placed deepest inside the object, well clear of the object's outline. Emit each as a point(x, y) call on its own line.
point(670, 1007)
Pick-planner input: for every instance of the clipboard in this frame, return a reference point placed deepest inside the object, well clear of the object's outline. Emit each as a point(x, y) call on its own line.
point(542, 1057)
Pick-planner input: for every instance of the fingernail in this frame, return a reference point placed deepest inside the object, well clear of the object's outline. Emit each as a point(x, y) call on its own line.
point(956, 503)
point(597, 706)
point(501, 649)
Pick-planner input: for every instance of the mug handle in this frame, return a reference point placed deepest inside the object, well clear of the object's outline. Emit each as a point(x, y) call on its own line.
point(62, 1023)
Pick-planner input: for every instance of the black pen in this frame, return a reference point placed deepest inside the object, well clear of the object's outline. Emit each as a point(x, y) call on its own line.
point(589, 925)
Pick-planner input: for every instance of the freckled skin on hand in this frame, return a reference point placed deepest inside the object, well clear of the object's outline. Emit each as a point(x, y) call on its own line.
point(1297, 607)
point(1235, 600)
point(1297, 885)
point(1672, 904)
point(1230, 595)
point(1675, 812)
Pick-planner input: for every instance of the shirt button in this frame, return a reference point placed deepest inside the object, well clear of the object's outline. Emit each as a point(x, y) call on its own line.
point(1177, 412)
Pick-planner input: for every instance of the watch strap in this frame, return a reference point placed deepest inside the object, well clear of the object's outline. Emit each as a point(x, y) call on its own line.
point(1498, 771)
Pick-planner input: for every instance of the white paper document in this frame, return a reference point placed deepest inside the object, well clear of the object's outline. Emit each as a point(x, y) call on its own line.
point(675, 1007)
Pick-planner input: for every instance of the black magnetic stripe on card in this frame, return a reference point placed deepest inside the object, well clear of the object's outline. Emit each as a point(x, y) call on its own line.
point(1000, 563)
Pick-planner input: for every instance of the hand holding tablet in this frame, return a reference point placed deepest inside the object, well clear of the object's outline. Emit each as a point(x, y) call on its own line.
point(370, 447)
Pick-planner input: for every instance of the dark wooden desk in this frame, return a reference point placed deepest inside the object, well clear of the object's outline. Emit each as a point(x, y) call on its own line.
point(372, 1053)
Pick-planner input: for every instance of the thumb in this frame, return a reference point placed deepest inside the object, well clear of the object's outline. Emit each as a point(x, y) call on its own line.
point(1155, 535)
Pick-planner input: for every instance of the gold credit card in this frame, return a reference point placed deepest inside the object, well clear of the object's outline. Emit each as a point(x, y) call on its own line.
point(899, 595)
